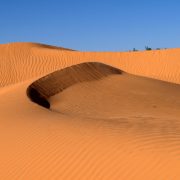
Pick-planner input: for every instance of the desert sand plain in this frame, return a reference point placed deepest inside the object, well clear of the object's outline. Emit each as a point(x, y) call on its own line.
point(108, 115)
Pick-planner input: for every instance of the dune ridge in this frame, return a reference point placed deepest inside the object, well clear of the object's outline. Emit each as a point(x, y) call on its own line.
point(40, 90)
point(159, 64)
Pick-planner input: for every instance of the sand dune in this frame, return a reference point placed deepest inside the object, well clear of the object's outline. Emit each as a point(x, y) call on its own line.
point(37, 61)
point(112, 115)
point(47, 86)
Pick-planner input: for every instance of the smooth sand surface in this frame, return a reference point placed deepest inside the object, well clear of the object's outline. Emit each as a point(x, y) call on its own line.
point(115, 119)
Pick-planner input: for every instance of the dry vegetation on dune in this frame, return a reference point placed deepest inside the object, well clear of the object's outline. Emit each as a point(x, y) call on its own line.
point(112, 115)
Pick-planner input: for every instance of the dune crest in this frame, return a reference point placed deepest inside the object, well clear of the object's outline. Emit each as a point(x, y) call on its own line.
point(42, 89)
point(23, 61)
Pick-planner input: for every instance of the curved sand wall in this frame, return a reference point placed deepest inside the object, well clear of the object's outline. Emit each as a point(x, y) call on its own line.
point(40, 90)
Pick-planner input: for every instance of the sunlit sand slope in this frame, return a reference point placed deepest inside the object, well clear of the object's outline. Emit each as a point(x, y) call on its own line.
point(22, 61)
point(19, 61)
point(121, 96)
point(91, 133)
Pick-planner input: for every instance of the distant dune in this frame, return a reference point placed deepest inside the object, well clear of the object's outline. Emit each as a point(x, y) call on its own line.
point(108, 115)
point(38, 60)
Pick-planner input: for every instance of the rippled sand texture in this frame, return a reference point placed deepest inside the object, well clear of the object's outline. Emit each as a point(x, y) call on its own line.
point(111, 115)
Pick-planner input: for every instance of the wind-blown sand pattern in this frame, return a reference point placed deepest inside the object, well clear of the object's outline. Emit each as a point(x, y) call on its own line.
point(112, 115)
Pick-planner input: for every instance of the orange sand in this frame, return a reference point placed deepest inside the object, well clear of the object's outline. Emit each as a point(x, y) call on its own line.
point(123, 126)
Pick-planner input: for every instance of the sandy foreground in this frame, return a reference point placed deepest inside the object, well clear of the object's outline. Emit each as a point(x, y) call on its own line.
point(100, 125)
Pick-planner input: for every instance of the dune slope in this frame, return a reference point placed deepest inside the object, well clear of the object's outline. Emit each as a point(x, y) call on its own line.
point(23, 61)
point(42, 89)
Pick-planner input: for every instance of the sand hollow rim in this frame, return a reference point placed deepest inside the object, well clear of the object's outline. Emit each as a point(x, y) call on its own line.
point(42, 89)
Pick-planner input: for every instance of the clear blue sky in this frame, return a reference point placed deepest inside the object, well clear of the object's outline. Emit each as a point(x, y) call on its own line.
point(92, 25)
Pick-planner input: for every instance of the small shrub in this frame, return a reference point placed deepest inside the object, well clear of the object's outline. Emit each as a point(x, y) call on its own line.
point(134, 49)
point(148, 48)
